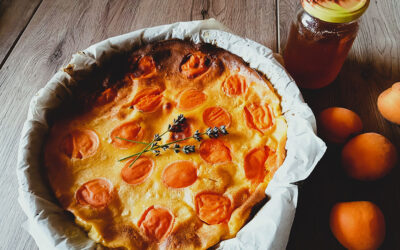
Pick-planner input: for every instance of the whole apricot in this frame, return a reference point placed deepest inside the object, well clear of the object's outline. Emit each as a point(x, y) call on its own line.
point(338, 124)
point(368, 156)
point(389, 103)
point(358, 225)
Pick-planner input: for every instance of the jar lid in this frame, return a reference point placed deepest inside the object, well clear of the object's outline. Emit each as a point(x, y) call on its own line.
point(335, 11)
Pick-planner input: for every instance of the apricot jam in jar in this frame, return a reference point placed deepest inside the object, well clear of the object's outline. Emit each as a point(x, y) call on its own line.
point(320, 39)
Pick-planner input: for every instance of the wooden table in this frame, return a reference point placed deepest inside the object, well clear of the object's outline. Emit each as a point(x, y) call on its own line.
point(37, 37)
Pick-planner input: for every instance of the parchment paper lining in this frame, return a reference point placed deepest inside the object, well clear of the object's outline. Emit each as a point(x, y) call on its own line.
point(52, 228)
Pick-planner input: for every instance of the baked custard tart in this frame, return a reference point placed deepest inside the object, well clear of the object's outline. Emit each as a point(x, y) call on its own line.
point(168, 147)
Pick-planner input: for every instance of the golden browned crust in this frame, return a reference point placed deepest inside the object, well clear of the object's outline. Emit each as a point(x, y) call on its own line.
point(117, 223)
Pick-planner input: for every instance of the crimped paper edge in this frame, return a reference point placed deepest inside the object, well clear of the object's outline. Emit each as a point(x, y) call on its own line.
point(269, 229)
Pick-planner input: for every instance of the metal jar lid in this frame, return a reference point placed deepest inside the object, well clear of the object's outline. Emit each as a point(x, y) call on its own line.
point(335, 11)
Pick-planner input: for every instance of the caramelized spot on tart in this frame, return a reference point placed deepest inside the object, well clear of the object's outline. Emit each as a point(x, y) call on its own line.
point(212, 208)
point(215, 151)
point(129, 130)
point(146, 67)
point(156, 223)
point(80, 144)
point(190, 99)
point(240, 196)
point(137, 172)
point(186, 131)
point(106, 96)
point(97, 193)
point(234, 85)
point(258, 117)
point(254, 164)
point(148, 99)
point(216, 117)
point(194, 64)
point(180, 174)
point(167, 106)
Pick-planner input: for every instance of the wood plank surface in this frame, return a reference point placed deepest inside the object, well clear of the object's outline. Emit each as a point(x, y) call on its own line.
point(60, 28)
point(372, 66)
point(14, 16)
point(252, 19)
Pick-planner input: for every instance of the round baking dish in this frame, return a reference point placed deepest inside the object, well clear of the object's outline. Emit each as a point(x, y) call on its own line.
point(53, 228)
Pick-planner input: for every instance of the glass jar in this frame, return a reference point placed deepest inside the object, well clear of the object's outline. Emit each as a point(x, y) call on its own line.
point(316, 49)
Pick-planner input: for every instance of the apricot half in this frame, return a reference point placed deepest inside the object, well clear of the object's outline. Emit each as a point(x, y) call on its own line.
point(97, 193)
point(368, 156)
point(156, 223)
point(212, 208)
point(195, 64)
point(180, 174)
point(148, 99)
point(338, 124)
point(80, 144)
point(190, 99)
point(358, 225)
point(389, 103)
point(215, 151)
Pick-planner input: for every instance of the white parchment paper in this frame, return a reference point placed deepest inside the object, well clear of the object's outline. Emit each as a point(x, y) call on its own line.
point(53, 228)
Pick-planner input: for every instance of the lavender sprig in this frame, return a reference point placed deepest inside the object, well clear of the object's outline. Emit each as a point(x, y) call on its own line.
point(176, 126)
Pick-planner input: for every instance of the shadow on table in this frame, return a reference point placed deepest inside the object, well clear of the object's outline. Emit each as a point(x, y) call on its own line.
point(357, 87)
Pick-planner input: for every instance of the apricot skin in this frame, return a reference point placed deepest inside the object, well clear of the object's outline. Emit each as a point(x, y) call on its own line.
point(389, 103)
point(368, 156)
point(358, 225)
point(337, 124)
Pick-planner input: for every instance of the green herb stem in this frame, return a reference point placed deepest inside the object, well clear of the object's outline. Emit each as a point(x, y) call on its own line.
point(157, 147)
point(138, 142)
point(143, 151)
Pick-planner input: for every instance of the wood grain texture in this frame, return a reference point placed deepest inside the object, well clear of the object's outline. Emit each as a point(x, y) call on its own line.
point(14, 16)
point(60, 28)
point(252, 19)
point(372, 66)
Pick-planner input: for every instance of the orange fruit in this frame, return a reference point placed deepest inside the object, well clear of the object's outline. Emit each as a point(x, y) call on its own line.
point(216, 117)
point(197, 64)
point(97, 193)
point(129, 131)
point(338, 124)
point(254, 164)
point(358, 225)
point(258, 117)
point(180, 174)
point(148, 99)
point(368, 156)
point(156, 223)
point(146, 68)
point(106, 96)
point(212, 208)
point(215, 151)
point(190, 99)
point(137, 172)
point(389, 103)
point(80, 144)
point(234, 85)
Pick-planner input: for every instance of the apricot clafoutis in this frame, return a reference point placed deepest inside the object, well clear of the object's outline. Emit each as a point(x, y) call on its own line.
point(169, 146)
